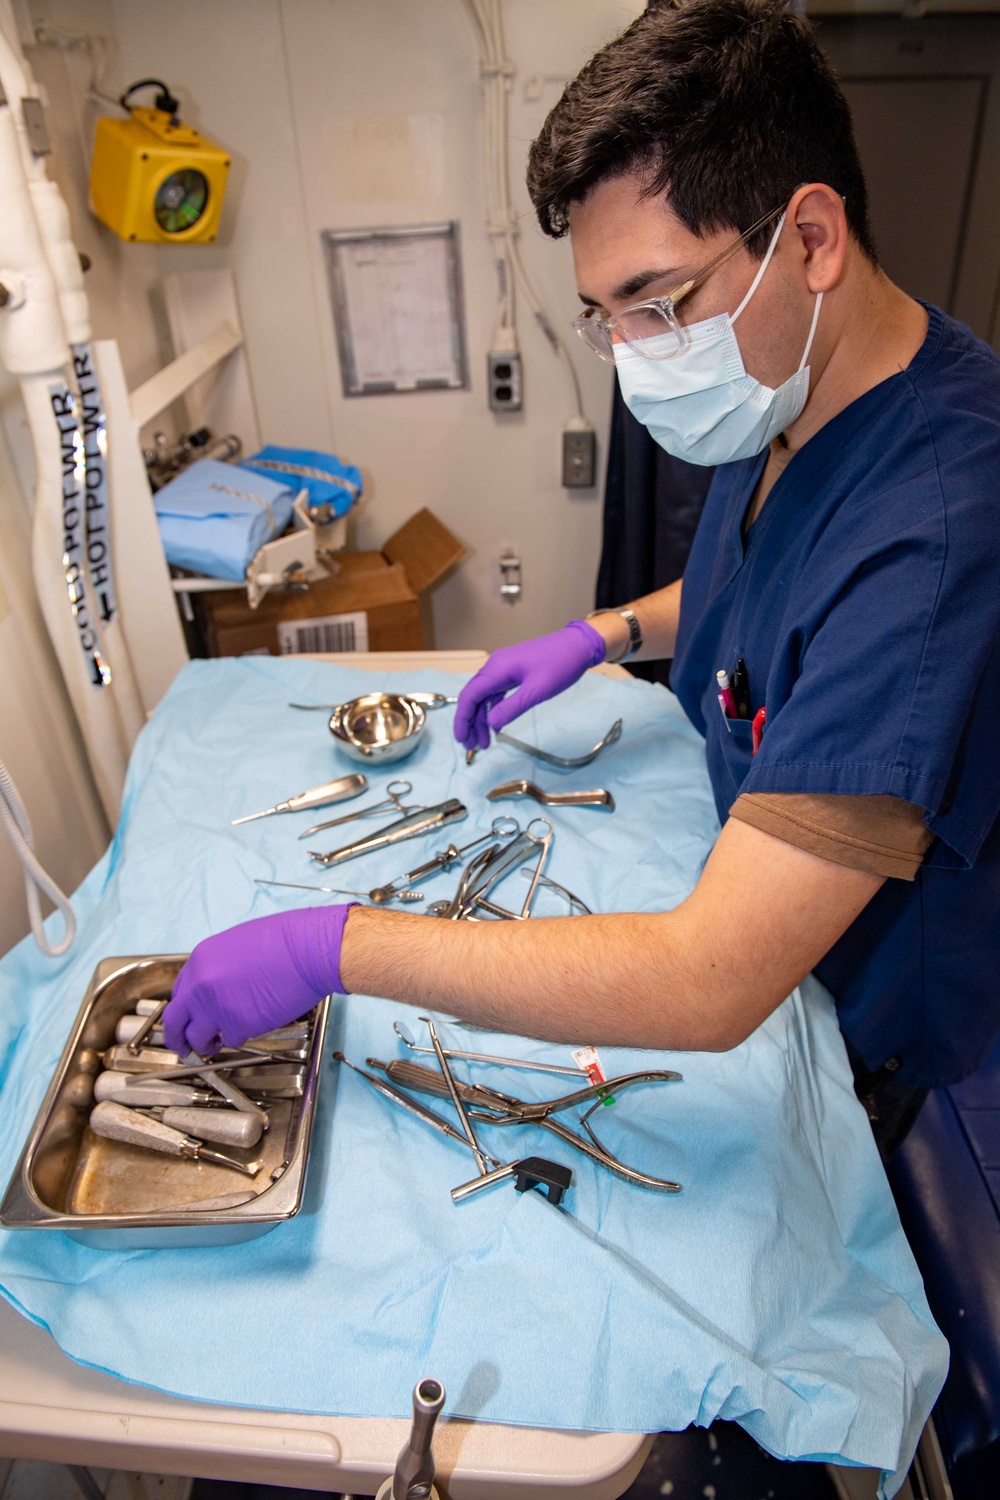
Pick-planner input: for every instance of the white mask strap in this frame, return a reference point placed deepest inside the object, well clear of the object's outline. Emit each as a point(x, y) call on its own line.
point(812, 331)
point(763, 267)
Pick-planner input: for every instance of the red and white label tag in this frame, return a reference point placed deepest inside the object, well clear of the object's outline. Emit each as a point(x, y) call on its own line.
point(587, 1059)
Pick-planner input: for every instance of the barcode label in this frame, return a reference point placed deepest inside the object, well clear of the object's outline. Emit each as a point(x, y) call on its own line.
point(324, 633)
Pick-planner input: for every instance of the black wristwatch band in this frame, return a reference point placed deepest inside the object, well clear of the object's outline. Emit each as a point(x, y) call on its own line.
point(634, 632)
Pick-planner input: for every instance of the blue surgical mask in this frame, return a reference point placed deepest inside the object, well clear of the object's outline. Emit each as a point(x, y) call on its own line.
point(700, 404)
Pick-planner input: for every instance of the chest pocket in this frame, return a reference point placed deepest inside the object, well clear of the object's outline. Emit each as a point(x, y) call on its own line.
point(731, 756)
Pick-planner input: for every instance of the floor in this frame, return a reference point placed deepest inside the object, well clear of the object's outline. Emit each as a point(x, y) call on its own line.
point(719, 1464)
point(25, 1479)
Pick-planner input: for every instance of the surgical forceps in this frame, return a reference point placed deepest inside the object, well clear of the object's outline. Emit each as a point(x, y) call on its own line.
point(488, 868)
point(394, 794)
point(398, 889)
point(490, 1107)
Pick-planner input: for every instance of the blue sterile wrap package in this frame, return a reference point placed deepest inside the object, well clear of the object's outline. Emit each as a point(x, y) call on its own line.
point(213, 517)
point(325, 479)
point(776, 1290)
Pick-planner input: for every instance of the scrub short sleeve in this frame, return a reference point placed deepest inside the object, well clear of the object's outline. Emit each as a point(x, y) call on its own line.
point(897, 690)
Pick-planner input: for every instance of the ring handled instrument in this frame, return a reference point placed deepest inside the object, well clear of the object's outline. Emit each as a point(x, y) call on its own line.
point(534, 1171)
point(394, 794)
point(487, 868)
point(399, 888)
point(490, 1107)
point(341, 790)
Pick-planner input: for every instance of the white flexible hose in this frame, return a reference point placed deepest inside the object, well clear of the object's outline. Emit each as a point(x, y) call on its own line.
point(36, 878)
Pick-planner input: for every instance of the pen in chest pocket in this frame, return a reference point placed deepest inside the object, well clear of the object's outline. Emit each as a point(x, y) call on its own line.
point(739, 683)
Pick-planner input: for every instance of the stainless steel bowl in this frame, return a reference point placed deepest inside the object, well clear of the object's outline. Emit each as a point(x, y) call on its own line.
point(113, 1196)
point(378, 727)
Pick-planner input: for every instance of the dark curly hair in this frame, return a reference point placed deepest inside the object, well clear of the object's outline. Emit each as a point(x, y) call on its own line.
point(727, 105)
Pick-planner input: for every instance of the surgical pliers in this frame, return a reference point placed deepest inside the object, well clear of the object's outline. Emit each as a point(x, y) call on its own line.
point(488, 868)
point(490, 1107)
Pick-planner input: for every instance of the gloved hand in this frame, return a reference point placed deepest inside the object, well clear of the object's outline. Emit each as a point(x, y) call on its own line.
point(536, 669)
point(255, 977)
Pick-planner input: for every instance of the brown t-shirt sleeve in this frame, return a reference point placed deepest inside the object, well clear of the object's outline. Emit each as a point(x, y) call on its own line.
point(881, 834)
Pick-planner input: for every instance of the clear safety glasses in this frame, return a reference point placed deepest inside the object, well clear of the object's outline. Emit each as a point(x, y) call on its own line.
point(653, 328)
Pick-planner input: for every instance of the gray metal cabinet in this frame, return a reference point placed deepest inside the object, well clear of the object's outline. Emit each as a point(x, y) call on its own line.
point(926, 100)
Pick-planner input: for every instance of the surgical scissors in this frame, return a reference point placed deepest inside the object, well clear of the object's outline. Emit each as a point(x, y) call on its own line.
point(394, 794)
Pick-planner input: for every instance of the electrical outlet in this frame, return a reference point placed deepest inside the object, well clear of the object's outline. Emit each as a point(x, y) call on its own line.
point(503, 373)
point(579, 457)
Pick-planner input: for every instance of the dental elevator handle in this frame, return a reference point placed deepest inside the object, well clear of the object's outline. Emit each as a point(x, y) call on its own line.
point(226, 1127)
point(414, 1475)
point(410, 827)
point(116, 1123)
point(341, 790)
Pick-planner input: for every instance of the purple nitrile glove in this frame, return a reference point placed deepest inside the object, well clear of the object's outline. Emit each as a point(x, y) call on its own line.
point(254, 978)
point(536, 669)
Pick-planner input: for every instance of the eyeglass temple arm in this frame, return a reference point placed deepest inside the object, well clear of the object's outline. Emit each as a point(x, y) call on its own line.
point(688, 286)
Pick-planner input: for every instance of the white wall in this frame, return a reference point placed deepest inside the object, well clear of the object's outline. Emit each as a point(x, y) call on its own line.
point(325, 105)
point(328, 106)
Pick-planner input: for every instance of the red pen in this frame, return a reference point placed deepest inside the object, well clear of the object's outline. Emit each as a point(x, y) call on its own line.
point(726, 694)
point(757, 728)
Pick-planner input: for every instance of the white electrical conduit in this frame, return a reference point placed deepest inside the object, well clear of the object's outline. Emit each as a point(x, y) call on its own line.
point(502, 226)
point(36, 879)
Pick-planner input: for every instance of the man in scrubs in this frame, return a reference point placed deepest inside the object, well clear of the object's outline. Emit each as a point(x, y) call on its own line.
point(845, 583)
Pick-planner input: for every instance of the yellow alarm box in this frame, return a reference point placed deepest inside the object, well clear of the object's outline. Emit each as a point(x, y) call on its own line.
point(155, 179)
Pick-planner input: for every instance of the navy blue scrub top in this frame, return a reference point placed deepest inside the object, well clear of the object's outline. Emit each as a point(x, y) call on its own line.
point(865, 601)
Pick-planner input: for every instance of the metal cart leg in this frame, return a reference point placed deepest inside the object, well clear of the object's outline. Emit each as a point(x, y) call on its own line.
point(85, 1482)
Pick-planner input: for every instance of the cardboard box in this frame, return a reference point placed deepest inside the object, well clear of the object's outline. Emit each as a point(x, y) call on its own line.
point(376, 601)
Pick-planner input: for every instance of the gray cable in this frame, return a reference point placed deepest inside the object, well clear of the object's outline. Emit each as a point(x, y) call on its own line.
point(36, 878)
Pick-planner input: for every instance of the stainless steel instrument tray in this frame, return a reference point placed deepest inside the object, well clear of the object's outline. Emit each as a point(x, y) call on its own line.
point(113, 1196)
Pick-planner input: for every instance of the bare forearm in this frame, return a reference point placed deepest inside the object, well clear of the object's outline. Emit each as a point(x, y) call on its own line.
point(658, 615)
point(700, 977)
point(616, 980)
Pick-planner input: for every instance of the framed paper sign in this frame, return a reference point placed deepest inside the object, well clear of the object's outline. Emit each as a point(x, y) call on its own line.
point(397, 308)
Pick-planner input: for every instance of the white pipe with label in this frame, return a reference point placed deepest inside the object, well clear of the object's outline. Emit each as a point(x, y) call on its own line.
point(34, 345)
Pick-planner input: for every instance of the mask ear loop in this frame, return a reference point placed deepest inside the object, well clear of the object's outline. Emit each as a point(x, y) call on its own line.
point(763, 267)
point(812, 332)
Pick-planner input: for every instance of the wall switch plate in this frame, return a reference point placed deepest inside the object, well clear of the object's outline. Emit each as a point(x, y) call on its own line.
point(579, 458)
point(510, 577)
point(503, 374)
